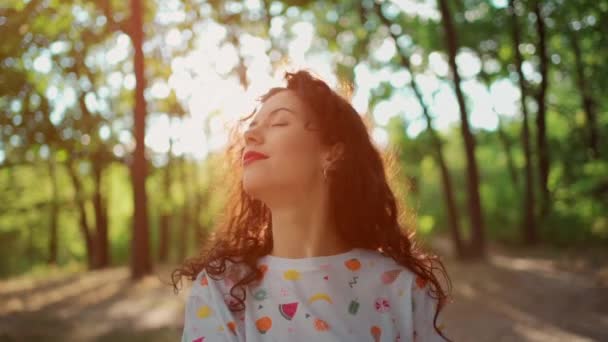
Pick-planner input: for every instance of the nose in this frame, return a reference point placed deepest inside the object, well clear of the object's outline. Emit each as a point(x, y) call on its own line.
point(252, 135)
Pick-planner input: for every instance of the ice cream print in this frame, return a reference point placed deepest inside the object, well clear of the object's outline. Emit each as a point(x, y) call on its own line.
point(232, 327)
point(376, 332)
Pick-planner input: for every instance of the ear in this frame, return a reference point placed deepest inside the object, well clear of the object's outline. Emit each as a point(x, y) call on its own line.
point(333, 154)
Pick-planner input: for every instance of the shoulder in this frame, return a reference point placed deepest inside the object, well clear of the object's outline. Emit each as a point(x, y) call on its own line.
point(205, 280)
point(385, 269)
point(200, 285)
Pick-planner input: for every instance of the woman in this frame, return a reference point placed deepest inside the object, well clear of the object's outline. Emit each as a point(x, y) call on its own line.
point(311, 249)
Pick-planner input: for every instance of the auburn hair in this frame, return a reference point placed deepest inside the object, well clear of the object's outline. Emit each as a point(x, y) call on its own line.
point(364, 208)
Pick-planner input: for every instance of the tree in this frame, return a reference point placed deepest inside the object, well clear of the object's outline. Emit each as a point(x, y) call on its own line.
point(446, 181)
point(529, 221)
point(474, 202)
point(141, 264)
point(541, 100)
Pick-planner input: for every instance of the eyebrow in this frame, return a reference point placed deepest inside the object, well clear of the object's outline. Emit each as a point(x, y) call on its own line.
point(274, 112)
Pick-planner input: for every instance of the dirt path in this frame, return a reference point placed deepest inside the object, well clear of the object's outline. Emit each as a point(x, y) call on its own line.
point(529, 295)
point(93, 306)
point(513, 296)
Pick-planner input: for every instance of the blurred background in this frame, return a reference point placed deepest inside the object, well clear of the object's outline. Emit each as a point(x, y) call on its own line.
point(114, 116)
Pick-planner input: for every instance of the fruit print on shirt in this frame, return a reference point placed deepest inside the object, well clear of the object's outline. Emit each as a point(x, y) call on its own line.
point(288, 310)
point(357, 296)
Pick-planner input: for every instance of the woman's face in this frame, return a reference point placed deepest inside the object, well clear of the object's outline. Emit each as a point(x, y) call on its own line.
point(294, 162)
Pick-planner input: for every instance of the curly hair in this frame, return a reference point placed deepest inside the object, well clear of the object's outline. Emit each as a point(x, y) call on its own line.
point(365, 209)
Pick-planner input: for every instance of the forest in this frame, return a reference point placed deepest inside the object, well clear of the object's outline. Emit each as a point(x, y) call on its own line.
point(114, 118)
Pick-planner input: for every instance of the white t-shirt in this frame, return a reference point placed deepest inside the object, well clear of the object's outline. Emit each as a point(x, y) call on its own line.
point(360, 295)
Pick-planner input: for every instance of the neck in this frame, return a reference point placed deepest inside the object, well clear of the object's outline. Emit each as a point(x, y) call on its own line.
point(305, 230)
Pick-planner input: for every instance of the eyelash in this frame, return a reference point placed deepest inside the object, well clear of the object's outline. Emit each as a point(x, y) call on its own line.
point(283, 124)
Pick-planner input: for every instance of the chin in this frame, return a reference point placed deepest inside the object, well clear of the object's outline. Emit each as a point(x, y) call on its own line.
point(254, 186)
point(263, 188)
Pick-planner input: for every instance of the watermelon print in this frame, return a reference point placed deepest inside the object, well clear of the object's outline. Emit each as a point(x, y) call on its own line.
point(288, 310)
point(355, 296)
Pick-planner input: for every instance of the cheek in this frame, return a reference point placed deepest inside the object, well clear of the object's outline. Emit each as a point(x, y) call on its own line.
point(296, 153)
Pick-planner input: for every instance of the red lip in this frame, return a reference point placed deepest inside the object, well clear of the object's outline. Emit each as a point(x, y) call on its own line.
point(250, 156)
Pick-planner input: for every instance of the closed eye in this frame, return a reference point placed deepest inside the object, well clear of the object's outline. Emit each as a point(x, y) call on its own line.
point(284, 124)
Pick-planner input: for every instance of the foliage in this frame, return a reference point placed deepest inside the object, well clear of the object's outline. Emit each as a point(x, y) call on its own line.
point(66, 99)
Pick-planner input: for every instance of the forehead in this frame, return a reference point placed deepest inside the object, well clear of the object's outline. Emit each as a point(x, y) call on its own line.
point(284, 99)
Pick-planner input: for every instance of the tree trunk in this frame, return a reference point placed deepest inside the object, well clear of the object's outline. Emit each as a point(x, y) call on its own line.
point(587, 100)
point(82, 214)
point(506, 143)
point(54, 210)
point(528, 224)
point(474, 203)
point(184, 227)
point(101, 217)
point(140, 246)
point(165, 217)
point(502, 135)
point(541, 138)
point(446, 181)
point(163, 237)
point(199, 202)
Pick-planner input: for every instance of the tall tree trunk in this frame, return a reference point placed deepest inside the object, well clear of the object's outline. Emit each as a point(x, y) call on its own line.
point(141, 264)
point(474, 202)
point(199, 199)
point(446, 181)
point(506, 143)
point(587, 100)
point(54, 210)
point(82, 215)
point(502, 135)
point(163, 237)
point(165, 217)
point(101, 217)
point(184, 227)
point(528, 224)
point(541, 99)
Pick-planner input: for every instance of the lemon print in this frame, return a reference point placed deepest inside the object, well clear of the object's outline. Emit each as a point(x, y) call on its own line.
point(319, 296)
point(204, 311)
point(291, 275)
